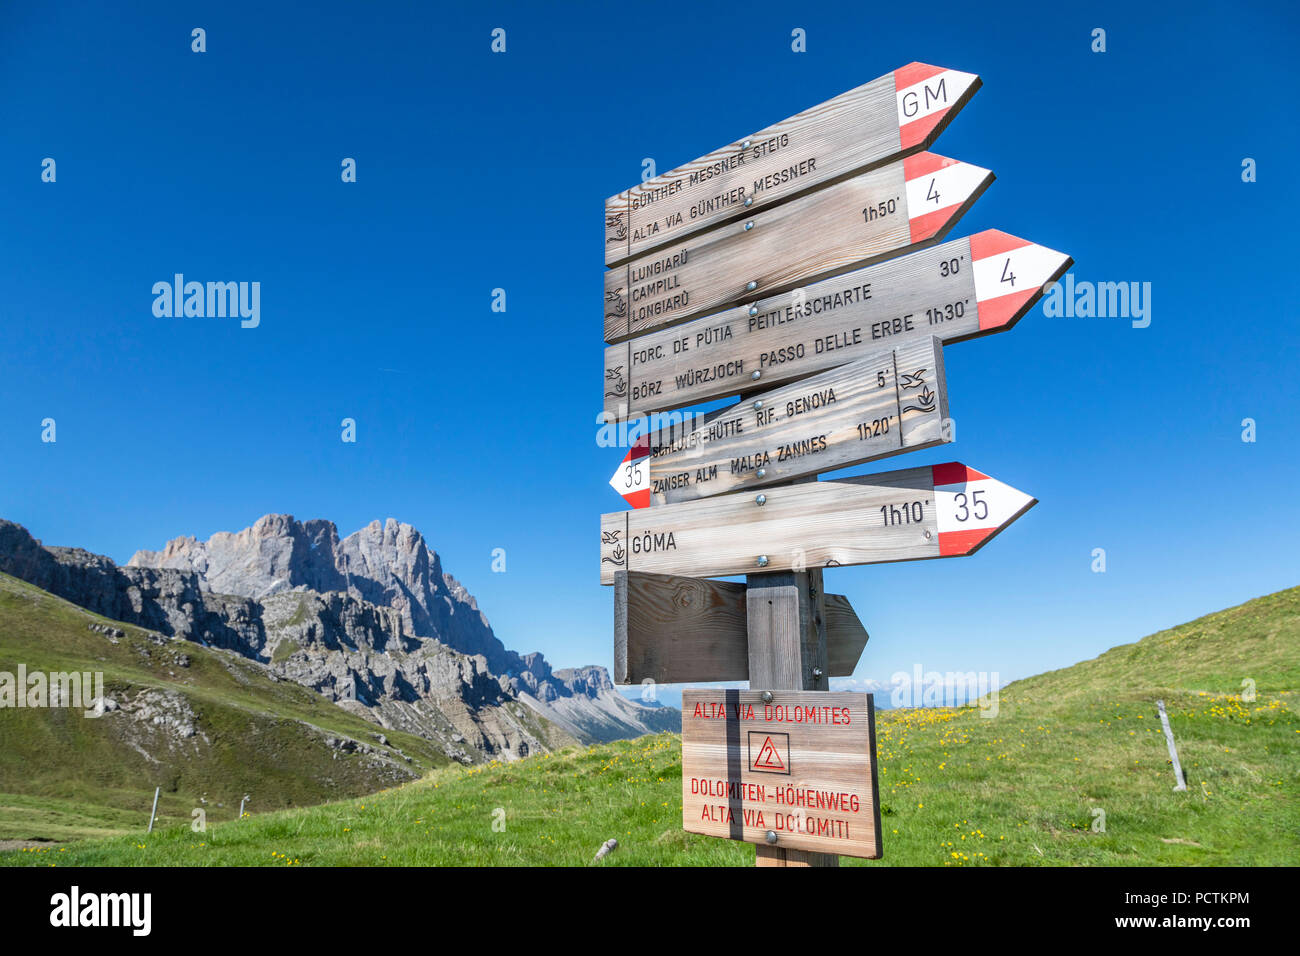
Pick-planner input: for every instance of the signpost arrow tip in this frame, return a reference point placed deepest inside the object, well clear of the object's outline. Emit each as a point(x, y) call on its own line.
point(1011, 274)
point(971, 508)
point(939, 191)
point(632, 479)
point(928, 97)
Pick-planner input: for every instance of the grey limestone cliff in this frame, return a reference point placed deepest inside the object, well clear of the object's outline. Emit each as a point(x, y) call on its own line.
point(371, 621)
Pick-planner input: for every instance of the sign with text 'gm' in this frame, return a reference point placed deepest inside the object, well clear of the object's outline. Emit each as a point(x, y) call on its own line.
point(786, 768)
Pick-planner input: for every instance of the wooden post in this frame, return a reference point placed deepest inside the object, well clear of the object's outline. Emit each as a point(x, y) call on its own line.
point(1173, 751)
point(787, 651)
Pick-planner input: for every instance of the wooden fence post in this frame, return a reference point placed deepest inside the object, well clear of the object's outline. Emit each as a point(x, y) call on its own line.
point(787, 651)
point(1173, 751)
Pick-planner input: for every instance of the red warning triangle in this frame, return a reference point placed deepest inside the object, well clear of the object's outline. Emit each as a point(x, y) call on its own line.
point(768, 758)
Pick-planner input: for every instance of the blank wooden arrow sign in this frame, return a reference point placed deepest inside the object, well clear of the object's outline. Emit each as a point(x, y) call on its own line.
point(875, 123)
point(871, 216)
point(673, 630)
point(957, 290)
point(890, 402)
point(936, 511)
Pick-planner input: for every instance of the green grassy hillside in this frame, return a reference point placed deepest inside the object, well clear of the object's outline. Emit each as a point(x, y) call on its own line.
point(957, 789)
point(63, 775)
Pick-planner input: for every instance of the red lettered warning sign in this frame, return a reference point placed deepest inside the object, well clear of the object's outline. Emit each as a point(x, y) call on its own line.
point(800, 767)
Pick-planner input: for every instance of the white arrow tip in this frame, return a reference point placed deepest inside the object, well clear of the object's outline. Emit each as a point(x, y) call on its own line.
point(632, 479)
point(971, 507)
point(926, 97)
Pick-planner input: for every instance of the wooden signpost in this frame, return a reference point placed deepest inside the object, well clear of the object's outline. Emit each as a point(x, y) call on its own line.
point(800, 270)
point(873, 215)
point(787, 769)
point(886, 404)
point(671, 630)
point(890, 117)
point(958, 290)
point(937, 511)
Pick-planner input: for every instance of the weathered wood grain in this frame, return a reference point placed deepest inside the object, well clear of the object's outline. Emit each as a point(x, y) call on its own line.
point(677, 630)
point(869, 217)
point(846, 638)
point(879, 121)
point(832, 322)
point(886, 404)
point(823, 748)
point(916, 513)
point(787, 649)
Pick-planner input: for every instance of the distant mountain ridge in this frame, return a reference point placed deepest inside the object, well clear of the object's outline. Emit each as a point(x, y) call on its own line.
point(370, 620)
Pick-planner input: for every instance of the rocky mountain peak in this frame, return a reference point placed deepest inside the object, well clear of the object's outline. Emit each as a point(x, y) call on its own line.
point(277, 553)
point(590, 680)
point(371, 620)
point(387, 564)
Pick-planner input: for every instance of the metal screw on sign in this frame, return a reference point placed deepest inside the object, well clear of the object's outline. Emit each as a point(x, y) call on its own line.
point(771, 836)
point(767, 696)
point(756, 376)
point(817, 673)
point(749, 225)
point(758, 404)
point(761, 472)
point(751, 285)
point(753, 310)
point(749, 200)
point(762, 561)
point(761, 500)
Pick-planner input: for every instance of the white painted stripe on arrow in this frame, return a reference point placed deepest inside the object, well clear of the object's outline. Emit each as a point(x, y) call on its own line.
point(942, 188)
point(931, 96)
point(976, 505)
point(632, 476)
point(1019, 270)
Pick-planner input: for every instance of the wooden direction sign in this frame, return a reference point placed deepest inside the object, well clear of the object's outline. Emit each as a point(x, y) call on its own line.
point(887, 118)
point(868, 217)
point(800, 269)
point(968, 287)
point(672, 630)
point(888, 403)
point(936, 511)
point(783, 768)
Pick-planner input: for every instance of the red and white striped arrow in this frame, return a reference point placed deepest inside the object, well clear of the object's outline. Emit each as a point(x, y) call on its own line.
point(1009, 272)
point(937, 190)
point(926, 96)
point(934, 511)
point(632, 479)
point(970, 507)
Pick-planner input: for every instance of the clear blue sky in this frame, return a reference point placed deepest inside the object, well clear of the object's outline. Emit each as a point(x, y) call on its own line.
point(478, 171)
